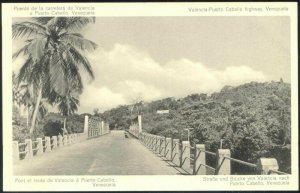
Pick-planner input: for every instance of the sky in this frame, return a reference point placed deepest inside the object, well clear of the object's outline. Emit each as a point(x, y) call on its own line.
point(151, 58)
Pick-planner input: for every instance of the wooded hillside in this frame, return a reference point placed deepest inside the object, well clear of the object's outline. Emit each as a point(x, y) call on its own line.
point(253, 119)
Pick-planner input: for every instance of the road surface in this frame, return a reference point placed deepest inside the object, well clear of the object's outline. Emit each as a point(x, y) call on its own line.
point(111, 154)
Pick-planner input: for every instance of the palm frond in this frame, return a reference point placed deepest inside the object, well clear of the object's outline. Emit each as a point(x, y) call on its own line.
point(68, 104)
point(78, 41)
point(37, 48)
point(57, 74)
point(25, 70)
point(77, 23)
point(23, 50)
point(39, 70)
point(81, 60)
point(26, 29)
point(73, 74)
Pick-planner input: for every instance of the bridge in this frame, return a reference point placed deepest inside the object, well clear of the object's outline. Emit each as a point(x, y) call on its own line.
point(99, 151)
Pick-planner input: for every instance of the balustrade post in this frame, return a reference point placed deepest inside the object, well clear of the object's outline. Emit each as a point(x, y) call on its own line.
point(28, 149)
point(195, 158)
point(156, 144)
point(99, 129)
point(168, 153)
point(150, 141)
point(47, 144)
point(76, 137)
point(16, 151)
point(54, 142)
point(267, 164)
point(60, 141)
point(40, 148)
point(86, 126)
point(223, 165)
point(161, 145)
point(70, 140)
point(176, 159)
point(142, 137)
point(165, 146)
point(140, 129)
point(201, 161)
point(147, 139)
point(186, 155)
point(103, 127)
point(172, 148)
point(180, 153)
point(65, 140)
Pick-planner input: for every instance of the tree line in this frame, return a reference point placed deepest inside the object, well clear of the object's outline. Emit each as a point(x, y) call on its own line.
point(253, 120)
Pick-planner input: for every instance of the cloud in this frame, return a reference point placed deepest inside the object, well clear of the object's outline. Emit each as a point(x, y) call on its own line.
point(125, 72)
point(102, 97)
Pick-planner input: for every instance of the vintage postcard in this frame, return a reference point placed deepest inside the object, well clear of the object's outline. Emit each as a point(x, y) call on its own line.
point(150, 96)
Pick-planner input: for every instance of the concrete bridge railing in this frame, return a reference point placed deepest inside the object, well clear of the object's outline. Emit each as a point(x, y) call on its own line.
point(192, 158)
point(93, 127)
point(30, 148)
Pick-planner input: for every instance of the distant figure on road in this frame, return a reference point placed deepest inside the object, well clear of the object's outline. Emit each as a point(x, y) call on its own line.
point(126, 135)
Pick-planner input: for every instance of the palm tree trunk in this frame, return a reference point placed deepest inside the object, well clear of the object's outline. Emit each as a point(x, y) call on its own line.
point(36, 109)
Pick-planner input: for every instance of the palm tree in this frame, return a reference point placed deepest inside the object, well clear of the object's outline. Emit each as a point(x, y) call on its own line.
point(54, 53)
point(67, 104)
point(23, 96)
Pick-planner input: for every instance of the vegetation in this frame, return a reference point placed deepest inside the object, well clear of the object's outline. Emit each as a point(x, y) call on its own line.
point(253, 120)
point(51, 125)
point(54, 52)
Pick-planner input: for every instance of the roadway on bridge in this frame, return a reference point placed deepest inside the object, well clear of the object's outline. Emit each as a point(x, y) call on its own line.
point(111, 154)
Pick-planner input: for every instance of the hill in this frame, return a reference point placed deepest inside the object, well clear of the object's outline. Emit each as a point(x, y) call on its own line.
point(253, 119)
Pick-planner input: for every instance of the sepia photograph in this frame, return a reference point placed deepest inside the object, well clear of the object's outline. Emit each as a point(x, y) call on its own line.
point(152, 96)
